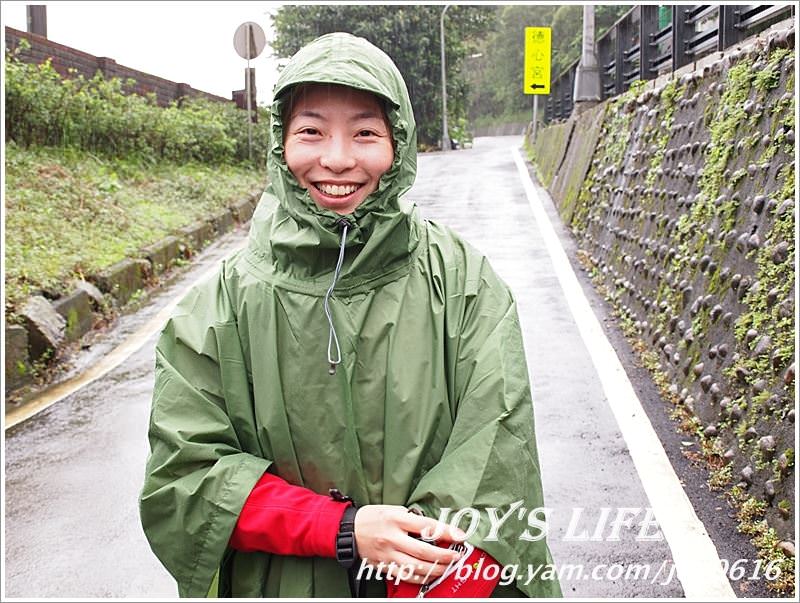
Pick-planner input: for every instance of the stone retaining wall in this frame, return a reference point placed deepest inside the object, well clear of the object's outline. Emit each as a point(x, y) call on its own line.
point(50, 324)
point(681, 196)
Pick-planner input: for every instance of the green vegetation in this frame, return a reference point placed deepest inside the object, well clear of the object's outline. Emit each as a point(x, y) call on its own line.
point(70, 213)
point(485, 53)
point(94, 173)
point(726, 186)
point(410, 35)
point(495, 78)
point(98, 115)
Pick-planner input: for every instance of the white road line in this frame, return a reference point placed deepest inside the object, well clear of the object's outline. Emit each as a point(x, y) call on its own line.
point(108, 363)
point(696, 559)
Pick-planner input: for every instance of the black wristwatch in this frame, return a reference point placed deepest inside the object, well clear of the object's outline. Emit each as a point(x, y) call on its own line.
point(346, 549)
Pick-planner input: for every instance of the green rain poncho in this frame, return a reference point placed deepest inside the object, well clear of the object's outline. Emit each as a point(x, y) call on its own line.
point(429, 408)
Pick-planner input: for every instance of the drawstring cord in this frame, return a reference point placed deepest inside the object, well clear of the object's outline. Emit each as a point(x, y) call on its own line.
point(332, 338)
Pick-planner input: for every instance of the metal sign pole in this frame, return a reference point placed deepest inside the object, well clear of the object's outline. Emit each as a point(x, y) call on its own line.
point(249, 41)
point(535, 118)
point(249, 110)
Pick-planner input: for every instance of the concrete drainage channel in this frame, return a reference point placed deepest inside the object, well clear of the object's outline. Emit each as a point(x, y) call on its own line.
point(50, 326)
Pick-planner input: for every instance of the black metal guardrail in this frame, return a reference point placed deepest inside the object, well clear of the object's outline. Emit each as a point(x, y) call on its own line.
point(674, 35)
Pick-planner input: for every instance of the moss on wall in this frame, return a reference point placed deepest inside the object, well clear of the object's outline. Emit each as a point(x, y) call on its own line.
point(686, 217)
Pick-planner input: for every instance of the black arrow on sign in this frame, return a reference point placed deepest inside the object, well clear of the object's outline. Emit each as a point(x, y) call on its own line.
point(535, 86)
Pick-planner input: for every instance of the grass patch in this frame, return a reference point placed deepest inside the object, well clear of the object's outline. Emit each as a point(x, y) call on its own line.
point(70, 213)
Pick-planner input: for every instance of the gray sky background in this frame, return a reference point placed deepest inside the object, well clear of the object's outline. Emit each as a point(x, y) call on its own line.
point(190, 42)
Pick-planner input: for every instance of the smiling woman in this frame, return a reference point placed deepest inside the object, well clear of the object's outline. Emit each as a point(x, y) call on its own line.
point(258, 431)
point(337, 144)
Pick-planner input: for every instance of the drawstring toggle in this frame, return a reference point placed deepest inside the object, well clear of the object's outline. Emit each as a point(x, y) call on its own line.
point(333, 340)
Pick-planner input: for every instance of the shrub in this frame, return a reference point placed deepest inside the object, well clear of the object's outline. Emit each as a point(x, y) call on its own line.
point(99, 116)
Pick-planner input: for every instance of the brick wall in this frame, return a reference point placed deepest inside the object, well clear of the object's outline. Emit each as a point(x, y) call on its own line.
point(64, 58)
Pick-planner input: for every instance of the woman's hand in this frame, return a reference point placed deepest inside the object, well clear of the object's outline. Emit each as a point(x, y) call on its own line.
point(382, 537)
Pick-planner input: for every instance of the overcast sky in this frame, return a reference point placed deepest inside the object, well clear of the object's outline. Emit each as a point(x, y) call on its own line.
point(189, 42)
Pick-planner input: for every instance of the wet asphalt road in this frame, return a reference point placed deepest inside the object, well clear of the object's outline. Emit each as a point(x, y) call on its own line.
point(74, 470)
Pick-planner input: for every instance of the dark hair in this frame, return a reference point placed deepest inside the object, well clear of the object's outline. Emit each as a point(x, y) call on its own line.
point(290, 96)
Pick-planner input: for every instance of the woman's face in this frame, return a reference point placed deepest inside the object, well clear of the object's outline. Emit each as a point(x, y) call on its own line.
point(338, 144)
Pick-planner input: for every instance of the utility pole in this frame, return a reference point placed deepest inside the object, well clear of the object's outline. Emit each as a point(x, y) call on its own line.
point(445, 134)
point(587, 75)
point(37, 19)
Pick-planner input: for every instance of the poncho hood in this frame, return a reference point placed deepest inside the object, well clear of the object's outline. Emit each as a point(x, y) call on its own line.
point(301, 240)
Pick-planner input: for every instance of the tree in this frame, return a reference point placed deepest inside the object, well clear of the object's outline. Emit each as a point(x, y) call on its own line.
point(408, 34)
point(496, 79)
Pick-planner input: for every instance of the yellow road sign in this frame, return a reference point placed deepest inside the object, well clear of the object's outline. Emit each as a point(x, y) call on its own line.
point(537, 60)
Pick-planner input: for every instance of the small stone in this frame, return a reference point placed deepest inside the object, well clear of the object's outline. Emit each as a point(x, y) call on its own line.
point(723, 350)
point(715, 313)
point(704, 262)
point(715, 391)
point(785, 207)
point(786, 308)
point(730, 453)
point(783, 464)
point(790, 416)
point(712, 352)
point(772, 296)
point(774, 403)
point(698, 369)
point(788, 377)
point(741, 242)
point(750, 434)
point(747, 475)
point(727, 319)
point(769, 490)
point(767, 445)
point(710, 430)
point(780, 252)
point(735, 280)
point(736, 412)
point(705, 383)
point(759, 386)
point(763, 345)
point(45, 326)
point(754, 242)
point(758, 204)
point(787, 547)
point(750, 335)
point(741, 374)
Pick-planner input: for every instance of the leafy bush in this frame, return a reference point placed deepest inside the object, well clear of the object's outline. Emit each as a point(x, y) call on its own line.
point(97, 115)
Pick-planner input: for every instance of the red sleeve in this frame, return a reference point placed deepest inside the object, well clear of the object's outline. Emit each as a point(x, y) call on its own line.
point(280, 518)
point(475, 580)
